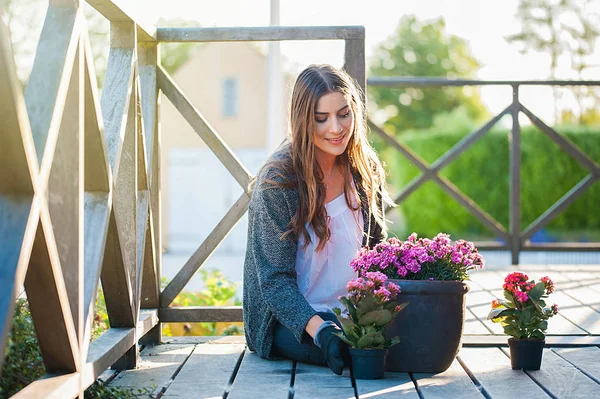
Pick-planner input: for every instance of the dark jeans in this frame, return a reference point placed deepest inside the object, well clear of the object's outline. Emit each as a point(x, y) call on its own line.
point(286, 345)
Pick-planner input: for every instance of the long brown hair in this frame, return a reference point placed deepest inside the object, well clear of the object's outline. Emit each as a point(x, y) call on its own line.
point(300, 169)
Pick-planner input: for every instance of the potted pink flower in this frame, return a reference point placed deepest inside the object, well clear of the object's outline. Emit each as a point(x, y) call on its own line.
point(369, 308)
point(432, 274)
point(524, 316)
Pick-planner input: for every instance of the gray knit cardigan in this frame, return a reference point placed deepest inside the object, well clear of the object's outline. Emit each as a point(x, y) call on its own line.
point(271, 291)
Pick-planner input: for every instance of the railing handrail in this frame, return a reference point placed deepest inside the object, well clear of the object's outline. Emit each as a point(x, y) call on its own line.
point(419, 81)
point(259, 33)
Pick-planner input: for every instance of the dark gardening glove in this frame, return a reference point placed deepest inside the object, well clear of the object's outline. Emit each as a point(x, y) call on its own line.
point(333, 348)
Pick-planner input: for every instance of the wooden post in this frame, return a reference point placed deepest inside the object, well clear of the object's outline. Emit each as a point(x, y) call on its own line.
point(149, 58)
point(515, 180)
point(354, 62)
point(119, 97)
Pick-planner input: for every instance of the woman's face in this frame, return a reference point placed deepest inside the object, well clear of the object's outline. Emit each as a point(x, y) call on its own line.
point(334, 123)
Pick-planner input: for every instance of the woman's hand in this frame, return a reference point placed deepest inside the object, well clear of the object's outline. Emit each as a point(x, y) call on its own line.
point(333, 348)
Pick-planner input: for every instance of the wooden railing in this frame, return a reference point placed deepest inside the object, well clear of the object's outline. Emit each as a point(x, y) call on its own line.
point(79, 196)
point(516, 238)
point(80, 188)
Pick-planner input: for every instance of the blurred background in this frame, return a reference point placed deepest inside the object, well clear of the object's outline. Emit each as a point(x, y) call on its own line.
point(243, 91)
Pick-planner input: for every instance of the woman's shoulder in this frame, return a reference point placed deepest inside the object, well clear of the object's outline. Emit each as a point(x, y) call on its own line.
point(277, 170)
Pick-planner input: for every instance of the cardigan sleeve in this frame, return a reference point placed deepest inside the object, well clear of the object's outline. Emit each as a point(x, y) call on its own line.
point(275, 259)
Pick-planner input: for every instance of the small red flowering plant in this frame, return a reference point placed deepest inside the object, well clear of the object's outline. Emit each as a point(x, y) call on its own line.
point(523, 313)
point(420, 259)
point(370, 306)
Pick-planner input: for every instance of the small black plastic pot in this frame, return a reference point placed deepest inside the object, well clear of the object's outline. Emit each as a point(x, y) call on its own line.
point(368, 364)
point(525, 354)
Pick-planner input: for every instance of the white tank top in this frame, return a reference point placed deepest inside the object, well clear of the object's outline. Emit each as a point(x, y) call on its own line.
point(322, 276)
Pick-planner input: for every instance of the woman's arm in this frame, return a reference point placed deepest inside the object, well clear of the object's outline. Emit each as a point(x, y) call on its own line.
point(313, 324)
point(275, 260)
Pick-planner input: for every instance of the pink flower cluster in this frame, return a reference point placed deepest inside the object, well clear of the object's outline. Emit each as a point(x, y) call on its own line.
point(403, 257)
point(518, 284)
point(373, 283)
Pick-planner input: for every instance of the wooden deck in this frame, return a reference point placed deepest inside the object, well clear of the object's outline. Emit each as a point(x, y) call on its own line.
point(209, 367)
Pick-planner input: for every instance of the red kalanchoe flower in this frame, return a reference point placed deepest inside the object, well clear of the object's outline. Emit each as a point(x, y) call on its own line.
point(515, 280)
point(549, 285)
point(521, 296)
point(495, 304)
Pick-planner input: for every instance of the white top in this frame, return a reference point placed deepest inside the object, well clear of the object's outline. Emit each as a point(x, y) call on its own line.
point(322, 276)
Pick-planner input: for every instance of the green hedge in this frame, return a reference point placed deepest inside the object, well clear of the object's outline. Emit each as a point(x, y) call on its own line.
point(482, 173)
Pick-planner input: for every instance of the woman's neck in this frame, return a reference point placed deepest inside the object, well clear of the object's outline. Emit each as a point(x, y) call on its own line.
point(326, 162)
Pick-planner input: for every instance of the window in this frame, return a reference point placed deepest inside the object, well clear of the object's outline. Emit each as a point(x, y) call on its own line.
point(230, 97)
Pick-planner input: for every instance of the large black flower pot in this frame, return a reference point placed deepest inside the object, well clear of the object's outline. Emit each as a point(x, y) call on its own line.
point(368, 364)
point(430, 327)
point(525, 355)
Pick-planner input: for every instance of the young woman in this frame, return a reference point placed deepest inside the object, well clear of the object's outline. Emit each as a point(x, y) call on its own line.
point(314, 203)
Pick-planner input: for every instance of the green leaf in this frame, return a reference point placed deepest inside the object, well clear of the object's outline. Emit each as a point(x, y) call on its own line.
point(365, 305)
point(350, 306)
point(542, 303)
point(537, 291)
point(497, 313)
point(377, 317)
point(402, 306)
point(527, 315)
point(544, 325)
point(378, 340)
point(346, 340)
point(510, 299)
point(347, 324)
point(511, 330)
point(392, 342)
point(366, 341)
point(538, 335)
point(337, 311)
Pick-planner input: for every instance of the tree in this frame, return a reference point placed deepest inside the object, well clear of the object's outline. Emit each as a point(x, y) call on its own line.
point(423, 48)
point(22, 21)
point(559, 28)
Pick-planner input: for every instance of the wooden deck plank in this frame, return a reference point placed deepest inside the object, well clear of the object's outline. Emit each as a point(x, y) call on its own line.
point(394, 385)
point(157, 366)
point(480, 304)
point(206, 373)
point(488, 280)
point(583, 316)
point(580, 275)
point(585, 359)
point(563, 380)
point(491, 367)
point(320, 382)
point(452, 383)
point(474, 326)
point(227, 340)
point(258, 378)
point(585, 295)
point(595, 287)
